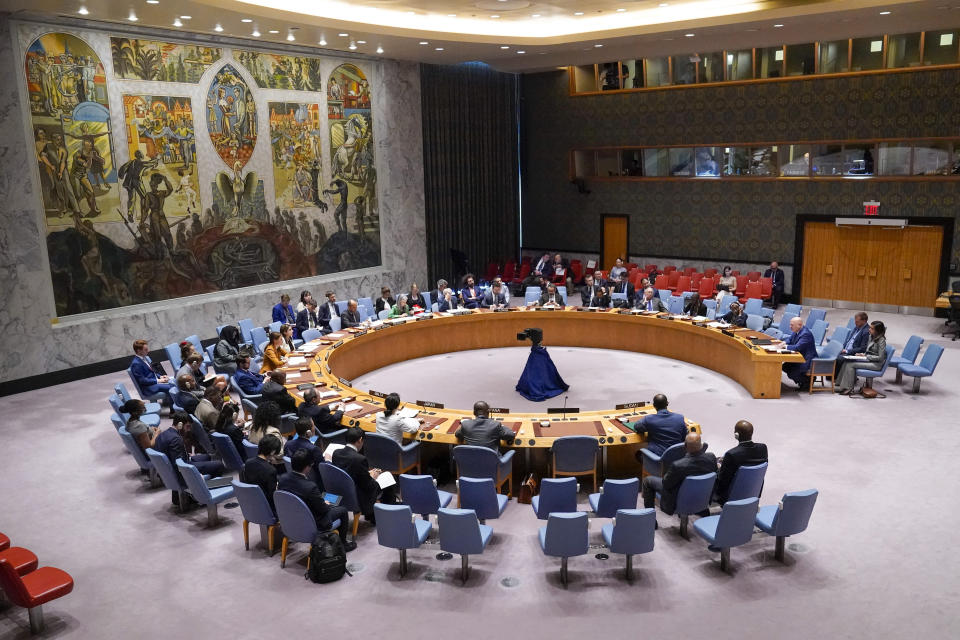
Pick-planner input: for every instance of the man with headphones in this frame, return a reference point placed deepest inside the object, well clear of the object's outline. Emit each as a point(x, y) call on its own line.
point(746, 453)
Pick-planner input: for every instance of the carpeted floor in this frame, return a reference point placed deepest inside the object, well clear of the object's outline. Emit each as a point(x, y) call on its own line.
point(876, 561)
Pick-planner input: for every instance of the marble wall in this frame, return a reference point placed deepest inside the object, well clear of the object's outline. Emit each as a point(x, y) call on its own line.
point(33, 341)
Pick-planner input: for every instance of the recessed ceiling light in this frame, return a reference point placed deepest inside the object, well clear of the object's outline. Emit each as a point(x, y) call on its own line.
point(218, 28)
point(521, 52)
point(186, 17)
point(439, 49)
point(343, 35)
point(689, 35)
point(504, 46)
point(132, 17)
point(322, 42)
point(379, 49)
point(884, 13)
point(777, 26)
point(598, 45)
point(424, 42)
point(620, 10)
point(451, 15)
point(536, 15)
point(411, 13)
point(246, 19)
point(664, 4)
point(361, 42)
point(353, 46)
point(274, 31)
point(578, 13)
point(494, 17)
point(291, 37)
point(153, 1)
point(255, 33)
point(83, 11)
point(177, 23)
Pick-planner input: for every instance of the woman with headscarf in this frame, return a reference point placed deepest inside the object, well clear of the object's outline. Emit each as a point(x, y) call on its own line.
point(227, 349)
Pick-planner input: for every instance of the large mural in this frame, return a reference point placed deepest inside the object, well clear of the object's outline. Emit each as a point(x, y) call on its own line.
point(180, 207)
point(276, 71)
point(135, 59)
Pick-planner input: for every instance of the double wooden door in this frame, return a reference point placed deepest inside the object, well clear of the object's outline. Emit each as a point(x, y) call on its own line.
point(872, 265)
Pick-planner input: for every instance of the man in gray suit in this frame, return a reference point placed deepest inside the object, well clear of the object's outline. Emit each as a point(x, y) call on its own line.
point(650, 302)
point(494, 298)
point(482, 431)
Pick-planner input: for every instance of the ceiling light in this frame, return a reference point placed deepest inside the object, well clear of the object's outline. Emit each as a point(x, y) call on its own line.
point(578, 13)
point(439, 49)
point(620, 10)
point(598, 45)
point(274, 31)
point(777, 26)
point(83, 10)
point(451, 15)
point(379, 49)
point(353, 46)
point(361, 42)
point(521, 52)
point(664, 4)
point(246, 19)
point(689, 35)
point(504, 47)
point(218, 28)
point(255, 33)
point(424, 42)
point(494, 17)
point(343, 35)
point(290, 37)
point(536, 15)
point(884, 13)
point(186, 17)
point(323, 41)
point(153, 1)
point(177, 23)
point(132, 17)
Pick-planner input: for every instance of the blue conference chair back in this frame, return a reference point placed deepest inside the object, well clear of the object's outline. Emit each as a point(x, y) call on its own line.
point(710, 303)
point(168, 475)
point(366, 310)
point(755, 322)
point(250, 448)
point(793, 310)
point(557, 495)
point(813, 316)
point(310, 334)
point(174, 394)
point(200, 435)
point(461, 532)
point(531, 295)
point(617, 495)
point(673, 453)
point(248, 405)
point(724, 305)
point(869, 373)
point(736, 523)
point(197, 345)
point(209, 351)
point(754, 307)
point(785, 324)
point(575, 453)
point(246, 329)
point(794, 516)
point(563, 293)
point(258, 336)
point(931, 357)
point(830, 351)
point(852, 322)
point(121, 389)
point(296, 520)
point(747, 482)
point(366, 302)
point(427, 300)
point(173, 355)
point(476, 462)
point(273, 326)
point(675, 304)
point(910, 351)
point(396, 528)
point(335, 323)
point(633, 531)
point(840, 334)
point(382, 452)
point(117, 421)
point(253, 503)
point(481, 495)
point(419, 493)
point(195, 482)
point(819, 330)
point(383, 314)
point(228, 452)
point(240, 392)
point(338, 482)
point(565, 535)
point(341, 305)
point(142, 460)
point(695, 492)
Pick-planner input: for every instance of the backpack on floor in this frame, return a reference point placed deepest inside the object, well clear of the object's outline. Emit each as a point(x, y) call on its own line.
point(328, 558)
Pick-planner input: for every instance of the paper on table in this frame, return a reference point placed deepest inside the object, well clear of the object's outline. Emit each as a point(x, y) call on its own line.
point(326, 394)
point(328, 452)
point(309, 348)
point(353, 406)
point(296, 361)
point(716, 325)
point(408, 412)
point(334, 336)
point(699, 318)
point(856, 358)
point(386, 479)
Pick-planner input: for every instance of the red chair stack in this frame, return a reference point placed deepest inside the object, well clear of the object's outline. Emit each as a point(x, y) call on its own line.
point(26, 585)
point(752, 291)
point(753, 276)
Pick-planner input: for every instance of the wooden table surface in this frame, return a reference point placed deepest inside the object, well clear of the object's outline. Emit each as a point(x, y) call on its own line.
point(943, 301)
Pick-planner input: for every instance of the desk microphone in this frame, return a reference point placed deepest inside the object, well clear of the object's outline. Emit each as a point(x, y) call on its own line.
point(564, 407)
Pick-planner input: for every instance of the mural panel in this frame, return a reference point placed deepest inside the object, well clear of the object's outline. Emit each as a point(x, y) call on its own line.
point(231, 117)
point(295, 143)
point(275, 71)
point(135, 59)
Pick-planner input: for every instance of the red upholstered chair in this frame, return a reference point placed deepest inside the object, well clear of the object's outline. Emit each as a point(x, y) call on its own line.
point(524, 272)
point(492, 269)
point(683, 284)
point(662, 282)
point(509, 271)
point(669, 269)
point(735, 273)
point(766, 288)
point(753, 276)
point(709, 273)
point(706, 288)
point(741, 286)
point(4, 542)
point(23, 560)
point(753, 291)
point(695, 279)
point(34, 589)
point(576, 268)
point(526, 260)
point(650, 267)
point(672, 279)
point(631, 265)
point(689, 271)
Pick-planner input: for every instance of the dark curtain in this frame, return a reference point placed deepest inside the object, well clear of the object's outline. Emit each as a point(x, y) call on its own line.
point(470, 171)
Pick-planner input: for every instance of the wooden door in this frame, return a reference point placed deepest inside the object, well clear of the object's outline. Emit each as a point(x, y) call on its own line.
point(616, 229)
point(882, 282)
point(819, 256)
point(920, 265)
point(852, 257)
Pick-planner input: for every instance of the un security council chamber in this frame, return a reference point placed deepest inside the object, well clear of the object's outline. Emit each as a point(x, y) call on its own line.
point(479, 318)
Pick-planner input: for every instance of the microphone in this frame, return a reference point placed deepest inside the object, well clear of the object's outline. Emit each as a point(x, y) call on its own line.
point(564, 407)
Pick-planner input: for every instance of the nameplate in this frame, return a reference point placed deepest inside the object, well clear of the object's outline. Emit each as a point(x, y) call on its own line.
point(377, 394)
point(429, 405)
point(727, 332)
point(359, 333)
point(562, 410)
point(499, 410)
point(344, 382)
point(546, 309)
point(503, 310)
point(631, 405)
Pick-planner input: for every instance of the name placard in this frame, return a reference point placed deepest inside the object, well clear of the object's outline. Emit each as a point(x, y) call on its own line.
point(429, 405)
point(631, 405)
point(344, 382)
point(377, 394)
point(562, 410)
point(499, 410)
point(337, 344)
point(327, 367)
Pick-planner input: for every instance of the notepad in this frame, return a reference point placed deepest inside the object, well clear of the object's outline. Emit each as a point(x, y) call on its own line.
point(717, 325)
point(331, 448)
point(326, 394)
point(309, 348)
point(296, 361)
point(334, 336)
point(353, 406)
point(408, 412)
point(386, 479)
point(856, 358)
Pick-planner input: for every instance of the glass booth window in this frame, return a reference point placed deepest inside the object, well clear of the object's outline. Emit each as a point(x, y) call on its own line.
point(833, 56)
point(770, 62)
point(794, 160)
point(658, 72)
point(827, 160)
point(940, 47)
point(684, 70)
point(859, 159)
point(711, 67)
point(932, 159)
point(631, 162)
point(707, 161)
point(763, 161)
point(681, 161)
point(866, 54)
point(736, 161)
point(656, 162)
point(584, 163)
point(584, 78)
point(609, 76)
point(740, 64)
point(893, 158)
point(632, 74)
point(608, 163)
point(801, 59)
point(903, 51)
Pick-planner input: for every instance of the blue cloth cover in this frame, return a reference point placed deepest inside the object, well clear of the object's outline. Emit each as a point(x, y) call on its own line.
point(540, 379)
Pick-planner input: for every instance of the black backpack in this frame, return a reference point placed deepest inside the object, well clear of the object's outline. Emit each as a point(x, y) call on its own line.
point(328, 558)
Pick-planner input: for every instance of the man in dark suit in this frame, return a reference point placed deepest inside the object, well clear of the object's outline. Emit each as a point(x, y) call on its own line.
point(364, 478)
point(551, 297)
point(622, 285)
point(328, 311)
point(297, 483)
point(470, 293)
point(801, 341)
point(308, 319)
point(696, 462)
point(351, 317)
point(543, 268)
point(437, 294)
point(323, 420)
point(261, 469)
point(304, 428)
point(745, 454)
point(188, 395)
point(663, 428)
point(589, 292)
point(482, 431)
point(649, 301)
point(775, 273)
point(170, 443)
point(274, 390)
point(494, 298)
point(857, 340)
point(283, 312)
point(250, 382)
point(142, 369)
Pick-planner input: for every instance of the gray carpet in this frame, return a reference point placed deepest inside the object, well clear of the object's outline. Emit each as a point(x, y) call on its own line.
point(876, 561)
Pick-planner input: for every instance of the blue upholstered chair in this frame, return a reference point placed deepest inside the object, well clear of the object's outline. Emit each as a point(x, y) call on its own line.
point(531, 295)
point(250, 448)
point(928, 364)
point(420, 494)
point(151, 407)
point(754, 307)
point(149, 419)
point(311, 334)
point(255, 509)
point(813, 316)
point(481, 496)
point(384, 453)
point(396, 529)
point(732, 528)
point(462, 533)
point(755, 322)
point(134, 449)
point(366, 302)
point(296, 522)
point(168, 475)
point(209, 356)
point(616, 495)
point(203, 494)
point(868, 374)
point(159, 396)
point(657, 465)
point(908, 356)
point(840, 334)
point(747, 482)
point(173, 355)
point(200, 435)
point(575, 456)
point(227, 451)
point(790, 517)
point(246, 330)
point(631, 532)
point(383, 314)
point(198, 347)
point(819, 330)
point(557, 495)
point(252, 397)
point(824, 366)
point(116, 420)
point(565, 536)
point(427, 300)
point(694, 497)
point(723, 306)
point(341, 305)
point(481, 462)
point(337, 481)
point(258, 336)
point(675, 304)
point(335, 323)
point(792, 311)
point(273, 326)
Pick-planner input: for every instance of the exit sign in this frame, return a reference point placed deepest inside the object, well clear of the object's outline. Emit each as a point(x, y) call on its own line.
point(871, 208)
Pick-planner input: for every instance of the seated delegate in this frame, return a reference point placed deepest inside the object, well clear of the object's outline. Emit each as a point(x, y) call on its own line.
point(227, 349)
point(470, 293)
point(875, 353)
point(323, 419)
point(274, 390)
point(283, 312)
point(448, 301)
point(401, 309)
point(801, 341)
point(328, 311)
point(494, 298)
point(391, 424)
point(482, 431)
point(261, 469)
point(747, 453)
point(695, 462)
point(251, 383)
point(274, 355)
point(385, 301)
point(662, 429)
point(308, 319)
point(415, 298)
point(266, 421)
point(550, 298)
point(650, 302)
point(350, 318)
point(142, 370)
point(364, 478)
point(324, 514)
